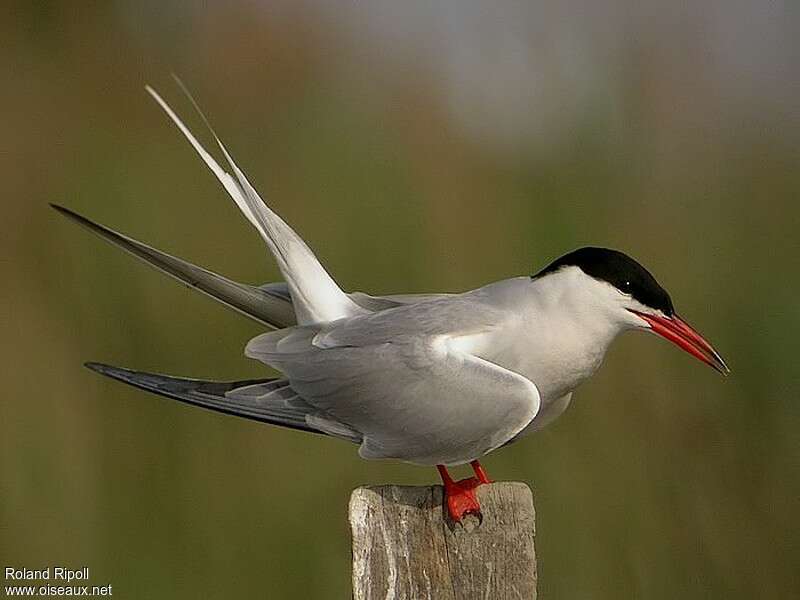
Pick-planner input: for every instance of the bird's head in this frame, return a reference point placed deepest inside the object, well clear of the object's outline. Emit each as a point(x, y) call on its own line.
point(619, 289)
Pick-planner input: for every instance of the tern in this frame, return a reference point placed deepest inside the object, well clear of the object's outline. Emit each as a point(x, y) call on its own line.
point(431, 379)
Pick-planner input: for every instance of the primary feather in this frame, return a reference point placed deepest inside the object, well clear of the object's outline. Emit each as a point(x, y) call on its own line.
point(264, 400)
point(267, 304)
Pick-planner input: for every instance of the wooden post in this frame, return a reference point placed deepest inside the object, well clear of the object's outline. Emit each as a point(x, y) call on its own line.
point(405, 547)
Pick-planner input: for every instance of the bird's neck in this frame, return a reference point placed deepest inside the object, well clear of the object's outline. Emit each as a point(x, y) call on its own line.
point(560, 337)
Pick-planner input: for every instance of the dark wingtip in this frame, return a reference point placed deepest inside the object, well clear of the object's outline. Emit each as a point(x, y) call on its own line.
point(116, 373)
point(101, 368)
point(70, 214)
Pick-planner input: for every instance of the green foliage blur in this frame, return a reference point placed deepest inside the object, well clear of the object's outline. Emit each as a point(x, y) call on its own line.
point(662, 480)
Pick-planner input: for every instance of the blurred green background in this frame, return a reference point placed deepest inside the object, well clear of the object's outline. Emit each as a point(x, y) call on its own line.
point(417, 147)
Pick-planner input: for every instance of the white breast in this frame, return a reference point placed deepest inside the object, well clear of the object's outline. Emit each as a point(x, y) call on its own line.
point(553, 336)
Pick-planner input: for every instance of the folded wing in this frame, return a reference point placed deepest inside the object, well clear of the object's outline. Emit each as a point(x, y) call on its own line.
point(403, 383)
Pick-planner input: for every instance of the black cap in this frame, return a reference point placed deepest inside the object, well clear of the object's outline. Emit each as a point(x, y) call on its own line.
point(618, 269)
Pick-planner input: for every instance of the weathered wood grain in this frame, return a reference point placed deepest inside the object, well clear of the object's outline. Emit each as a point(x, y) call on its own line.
point(406, 547)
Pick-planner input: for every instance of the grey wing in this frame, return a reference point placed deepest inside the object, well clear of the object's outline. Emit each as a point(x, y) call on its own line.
point(418, 399)
point(270, 401)
point(458, 316)
point(270, 304)
point(317, 297)
point(265, 305)
point(457, 409)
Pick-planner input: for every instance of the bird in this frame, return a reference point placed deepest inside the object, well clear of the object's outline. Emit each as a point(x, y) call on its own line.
point(439, 379)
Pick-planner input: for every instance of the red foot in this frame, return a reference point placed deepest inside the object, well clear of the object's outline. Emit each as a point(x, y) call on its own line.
point(479, 472)
point(460, 495)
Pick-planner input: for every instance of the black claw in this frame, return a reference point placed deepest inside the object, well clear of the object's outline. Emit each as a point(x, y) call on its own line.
point(476, 513)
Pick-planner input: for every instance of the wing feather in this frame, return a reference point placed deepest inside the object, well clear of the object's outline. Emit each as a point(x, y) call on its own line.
point(317, 297)
point(270, 401)
point(270, 304)
point(265, 304)
point(405, 380)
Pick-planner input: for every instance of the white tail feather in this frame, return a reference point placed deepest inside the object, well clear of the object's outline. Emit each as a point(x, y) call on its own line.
point(315, 295)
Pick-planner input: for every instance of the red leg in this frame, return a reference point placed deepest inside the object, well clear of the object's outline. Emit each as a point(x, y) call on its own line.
point(460, 495)
point(482, 476)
